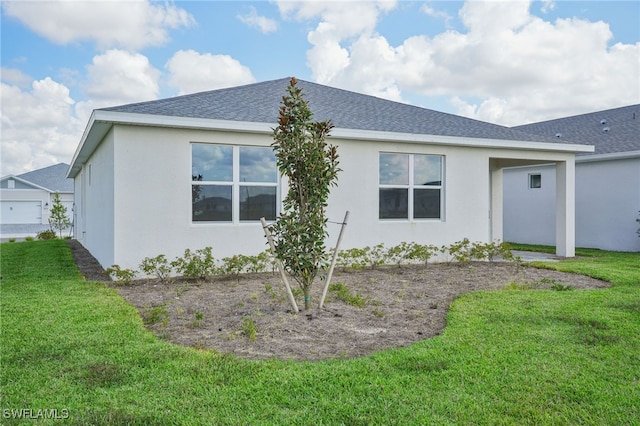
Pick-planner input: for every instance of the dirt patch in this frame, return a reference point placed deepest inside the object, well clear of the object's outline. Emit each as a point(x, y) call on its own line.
point(88, 266)
point(369, 310)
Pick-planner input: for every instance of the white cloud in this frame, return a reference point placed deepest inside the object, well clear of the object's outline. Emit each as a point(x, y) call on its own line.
point(38, 126)
point(118, 77)
point(509, 66)
point(262, 23)
point(15, 76)
point(121, 76)
point(42, 125)
point(548, 6)
point(192, 72)
point(131, 24)
point(435, 13)
point(339, 21)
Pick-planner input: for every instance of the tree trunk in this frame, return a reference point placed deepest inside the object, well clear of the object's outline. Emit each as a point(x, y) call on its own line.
point(307, 297)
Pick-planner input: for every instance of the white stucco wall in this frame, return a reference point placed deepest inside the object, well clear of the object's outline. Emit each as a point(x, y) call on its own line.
point(95, 206)
point(529, 214)
point(138, 203)
point(607, 204)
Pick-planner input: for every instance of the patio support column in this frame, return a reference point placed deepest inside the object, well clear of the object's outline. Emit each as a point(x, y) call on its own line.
point(495, 212)
point(565, 208)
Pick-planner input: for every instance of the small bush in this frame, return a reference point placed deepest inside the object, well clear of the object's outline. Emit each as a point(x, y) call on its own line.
point(376, 255)
point(421, 252)
point(119, 275)
point(46, 235)
point(29, 238)
point(460, 251)
point(157, 266)
point(355, 258)
point(491, 251)
point(399, 254)
point(235, 264)
point(198, 265)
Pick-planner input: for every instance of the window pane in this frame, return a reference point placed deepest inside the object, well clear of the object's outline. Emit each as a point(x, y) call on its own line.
point(211, 203)
point(394, 203)
point(257, 202)
point(394, 169)
point(535, 181)
point(427, 170)
point(426, 203)
point(257, 164)
point(211, 162)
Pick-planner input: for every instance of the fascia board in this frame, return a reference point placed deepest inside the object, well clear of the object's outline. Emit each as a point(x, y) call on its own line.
point(101, 121)
point(459, 141)
point(26, 182)
point(83, 147)
point(608, 157)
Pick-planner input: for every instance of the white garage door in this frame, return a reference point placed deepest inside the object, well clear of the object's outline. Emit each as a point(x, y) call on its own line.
point(14, 212)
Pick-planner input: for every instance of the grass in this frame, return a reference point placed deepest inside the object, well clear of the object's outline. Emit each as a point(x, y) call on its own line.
point(506, 357)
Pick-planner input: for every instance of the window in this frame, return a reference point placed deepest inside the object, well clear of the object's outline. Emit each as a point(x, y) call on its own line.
point(535, 181)
point(410, 186)
point(233, 183)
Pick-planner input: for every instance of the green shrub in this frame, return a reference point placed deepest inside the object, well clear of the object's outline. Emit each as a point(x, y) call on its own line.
point(261, 262)
point(157, 266)
point(47, 234)
point(490, 251)
point(460, 251)
point(355, 258)
point(399, 254)
point(235, 264)
point(198, 265)
point(376, 255)
point(119, 275)
point(29, 238)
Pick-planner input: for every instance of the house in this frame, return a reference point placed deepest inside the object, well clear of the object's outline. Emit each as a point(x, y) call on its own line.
point(607, 183)
point(198, 170)
point(26, 200)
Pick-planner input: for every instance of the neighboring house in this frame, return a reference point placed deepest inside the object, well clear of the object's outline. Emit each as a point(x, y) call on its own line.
point(198, 170)
point(26, 200)
point(607, 183)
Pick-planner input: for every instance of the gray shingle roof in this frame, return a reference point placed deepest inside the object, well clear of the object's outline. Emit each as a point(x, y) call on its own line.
point(54, 178)
point(611, 131)
point(260, 102)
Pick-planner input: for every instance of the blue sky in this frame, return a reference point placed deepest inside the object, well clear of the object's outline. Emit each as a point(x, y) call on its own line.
point(507, 62)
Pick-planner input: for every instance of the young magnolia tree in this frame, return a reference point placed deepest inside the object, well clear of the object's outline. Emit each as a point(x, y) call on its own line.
point(58, 219)
point(311, 166)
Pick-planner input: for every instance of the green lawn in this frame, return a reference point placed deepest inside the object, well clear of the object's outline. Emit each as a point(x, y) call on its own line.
point(506, 357)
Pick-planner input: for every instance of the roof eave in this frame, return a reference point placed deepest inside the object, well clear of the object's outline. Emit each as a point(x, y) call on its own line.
point(459, 141)
point(627, 155)
point(101, 121)
point(27, 182)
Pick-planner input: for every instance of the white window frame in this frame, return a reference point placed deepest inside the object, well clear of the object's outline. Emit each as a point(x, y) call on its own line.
point(411, 186)
point(530, 180)
point(235, 184)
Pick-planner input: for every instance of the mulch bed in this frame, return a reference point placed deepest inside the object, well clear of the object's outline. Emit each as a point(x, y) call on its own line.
point(250, 316)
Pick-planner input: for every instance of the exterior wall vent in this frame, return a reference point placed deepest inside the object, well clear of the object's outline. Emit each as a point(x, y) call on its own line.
point(603, 122)
point(605, 130)
point(558, 135)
